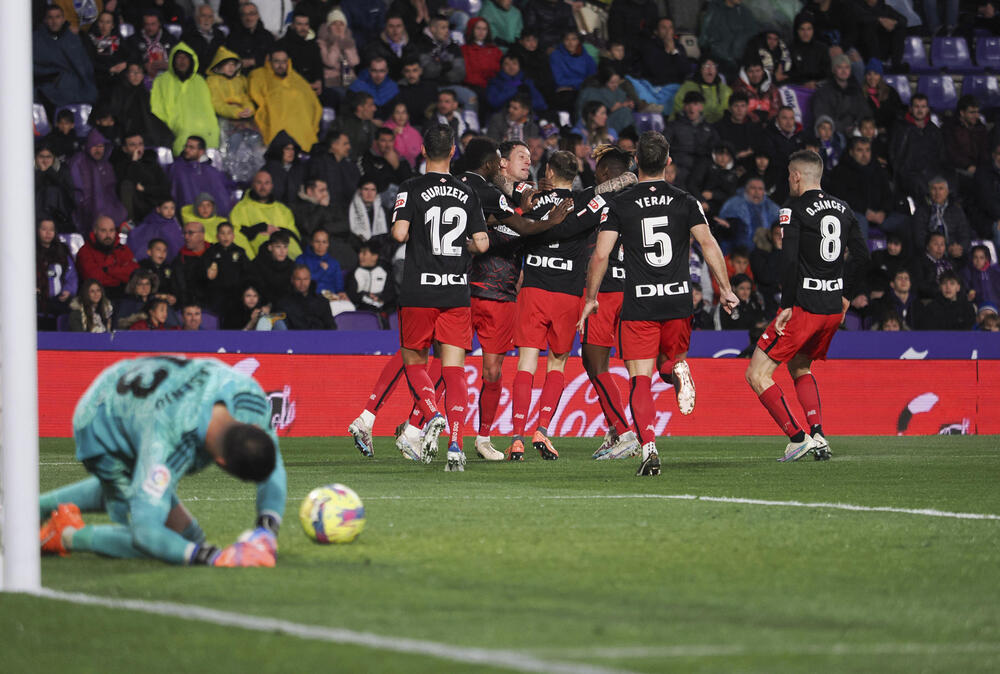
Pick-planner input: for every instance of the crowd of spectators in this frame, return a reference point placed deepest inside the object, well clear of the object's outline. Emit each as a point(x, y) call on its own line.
point(233, 164)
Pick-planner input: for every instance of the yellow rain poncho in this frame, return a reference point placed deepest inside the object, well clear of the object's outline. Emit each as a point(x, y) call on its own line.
point(230, 95)
point(248, 217)
point(185, 105)
point(285, 103)
point(211, 223)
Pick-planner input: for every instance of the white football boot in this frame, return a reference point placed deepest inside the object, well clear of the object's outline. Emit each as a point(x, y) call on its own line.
point(684, 387)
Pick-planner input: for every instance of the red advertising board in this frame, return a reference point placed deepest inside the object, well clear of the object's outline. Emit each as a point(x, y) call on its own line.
point(319, 395)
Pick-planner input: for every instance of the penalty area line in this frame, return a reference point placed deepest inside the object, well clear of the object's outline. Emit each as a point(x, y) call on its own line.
point(514, 660)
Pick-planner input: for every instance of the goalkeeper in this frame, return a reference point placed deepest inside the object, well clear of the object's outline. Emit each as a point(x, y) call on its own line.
point(141, 426)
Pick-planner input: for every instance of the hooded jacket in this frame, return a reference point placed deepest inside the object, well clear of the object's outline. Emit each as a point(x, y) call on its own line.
point(185, 105)
point(846, 105)
point(505, 24)
point(716, 97)
point(285, 103)
point(382, 93)
point(286, 179)
point(131, 108)
point(230, 95)
point(155, 226)
point(94, 183)
point(54, 195)
point(211, 223)
point(726, 30)
point(482, 61)
point(188, 179)
point(570, 70)
point(764, 98)
point(64, 73)
point(304, 53)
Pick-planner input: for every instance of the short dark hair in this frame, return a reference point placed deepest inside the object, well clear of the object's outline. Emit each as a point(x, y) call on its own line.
point(738, 97)
point(311, 183)
point(278, 48)
point(857, 140)
point(931, 235)
point(739, 251)
point(65, 114)
point(948, 275)
point(564, 165)
point(190, 303)
point(512, 57)
point(508, 146)
point(479, 150)
point(153, 242)
point(384, 131)
point(280, 236)
point(919, 96)
point(450, 92)
point(248, 452)
point(615, 160)
point(965, 102)
point(199, 140)
point(358, 99)
point(439, 139)
point(155, 302)
point(225, 223)
point(522, 98)
point(411, 60)
point(785, 107)
point(985, 249)
point(369, 246)
point(300, 11)
point(653, 152)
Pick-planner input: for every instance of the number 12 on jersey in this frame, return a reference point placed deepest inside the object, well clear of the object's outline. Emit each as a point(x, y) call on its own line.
point(654, 237)
point(453, 217)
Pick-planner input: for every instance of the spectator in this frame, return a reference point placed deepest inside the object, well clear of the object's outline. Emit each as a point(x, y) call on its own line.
point(331, 163)
point(761, 167)
point(258, 216)
point(691, 140)
point(313, 212)
point(130, 106)
point(505, 21)
point(303, 51)
point(365, 18)
point(105, 259)
point(627, 18)
point(784, 138)
point(406, 139)
point(324, 267)
point(829, 143)
point(90, 310)
point(374, 80)
point(535, 63)
point(948, 310)
point(715, 93)
point(988, 193)
point(287, 171)
point(571, 65)
point(285, 101)
point(987, 318)
point(140, 290)
point(881, 30)
point(168, 10)
point(189, 266)
point(763, 100)
point(63, 73)
point(159, 224)
point(766, 265)
point(107, 51)
point(880, 147)
point(79, 15)
point(142, 184)
point(900, 301)
point(834, 24)
point(884, 104)
point(614, 97)
point(338, 51)
point(943, 215)
point(191, 316)
point(370, 286)
point(516, 123)
point(440, 59)
point(366, 214)
point(181, 99)
point(271, 271)
point(229, 88)
point(226, 269)
point(393, 44)
point(192, 174)
point(966, 139)
point(593, 125)
point(887, 261)
point(155, 317)
point(721, 180)
point(840, 98)
point(703, 313)
point(56, 281)
point(250, 40)
point(481, 56)
point(737, 128)
point(247, 311)
point(62, 139)
point(926, 268)
point(358, 122)
point(304, 310)
point(748, 312)
point(94, 183)
point(203, 210)
point(864, 185)
point(742, 214)
point(53, 189)
point(810, 58)
point(773, 54)
point(510, 81)
point(151, 44)
point(448, 113)
point(661, 62)
point(726, 28)
point(548, 20)
point(204, 37)
point(982, 277)
point(382, 163)
point(166, 285)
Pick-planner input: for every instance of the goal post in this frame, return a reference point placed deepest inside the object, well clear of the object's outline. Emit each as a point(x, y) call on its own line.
point(19, 549)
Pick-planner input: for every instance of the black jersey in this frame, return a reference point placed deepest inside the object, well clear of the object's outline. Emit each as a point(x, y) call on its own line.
point(614, 277)
point(654, 221)
point(494, 274)
point(553, 260)
point(443, 212)
point(816, 230)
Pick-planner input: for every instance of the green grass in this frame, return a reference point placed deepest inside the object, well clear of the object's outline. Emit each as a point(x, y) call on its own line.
point(541, 558)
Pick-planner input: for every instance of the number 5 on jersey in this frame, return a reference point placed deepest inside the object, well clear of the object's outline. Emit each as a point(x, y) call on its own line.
point(654, 236)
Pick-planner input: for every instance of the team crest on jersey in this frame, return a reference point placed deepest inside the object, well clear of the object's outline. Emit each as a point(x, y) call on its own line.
point(400, 200)
point(595, 204)
point(157, 481)
point(784, 216)
point(504, 205)
point(604, 216)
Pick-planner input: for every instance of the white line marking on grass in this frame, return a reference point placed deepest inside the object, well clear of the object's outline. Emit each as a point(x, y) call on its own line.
point(728, 650)
point(514, 660)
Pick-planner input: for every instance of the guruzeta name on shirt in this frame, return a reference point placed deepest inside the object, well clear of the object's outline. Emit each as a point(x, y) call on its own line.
point(444, 191)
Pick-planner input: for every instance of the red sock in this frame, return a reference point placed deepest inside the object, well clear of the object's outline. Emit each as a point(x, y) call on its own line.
point(667, 372)
point(434, 373)
point(522, 400)
point(807, 391)
point(548, 403)
point(489, 402)
point(387, 381)
point(774, 401)
point(421, 388)
point(611, 400)
point(456, 398)
point(641, 401)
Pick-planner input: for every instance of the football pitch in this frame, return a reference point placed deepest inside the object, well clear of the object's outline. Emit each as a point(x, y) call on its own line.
point(729, 561)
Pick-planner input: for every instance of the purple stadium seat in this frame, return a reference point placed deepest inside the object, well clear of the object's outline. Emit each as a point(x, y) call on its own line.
point(174, 29)
point(985, 88)
point(41, 120)
point(940, 90)
point(329, 114)
point(648, 121)
point(901, 83)
point(357, 320)
point(470, 7)
point(209, 321)
point(952, 54)
point(852, 321)
point(126, 30)
point(165, 156)
point(62, 323)
point(988, 52)
point(81, 116)
point(394, 321)
point(915, 55)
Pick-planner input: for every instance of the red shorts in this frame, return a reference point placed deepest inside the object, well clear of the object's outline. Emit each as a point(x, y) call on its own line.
point(805, 333)
point(546, 320)
point(419, 326)
point(639, 340)
point(601, 329)
point(494, 322)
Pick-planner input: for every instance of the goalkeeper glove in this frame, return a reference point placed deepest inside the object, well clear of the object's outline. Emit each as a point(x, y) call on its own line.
point(204, 554)
point(245, 554)
point(262, 538)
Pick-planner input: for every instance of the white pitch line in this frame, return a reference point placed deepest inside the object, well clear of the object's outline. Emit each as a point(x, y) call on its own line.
point(729, 650)
point(514, 660)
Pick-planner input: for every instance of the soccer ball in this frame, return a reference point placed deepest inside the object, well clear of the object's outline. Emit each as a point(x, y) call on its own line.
point(332, 514)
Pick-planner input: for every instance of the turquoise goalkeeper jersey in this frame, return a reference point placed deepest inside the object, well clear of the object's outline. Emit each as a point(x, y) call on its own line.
point(144, 422)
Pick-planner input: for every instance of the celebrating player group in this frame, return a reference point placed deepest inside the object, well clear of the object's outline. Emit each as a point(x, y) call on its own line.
point(488, 252)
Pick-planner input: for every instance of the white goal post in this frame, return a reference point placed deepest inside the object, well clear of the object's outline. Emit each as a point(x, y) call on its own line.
point(19, 549)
